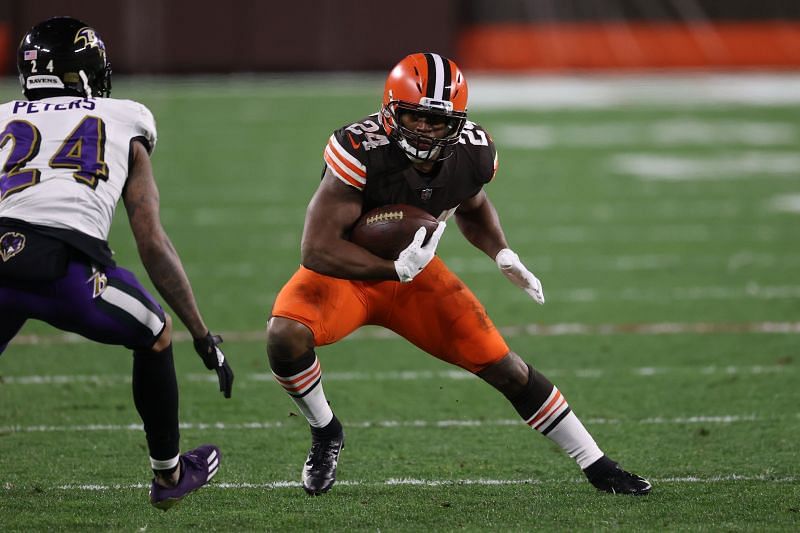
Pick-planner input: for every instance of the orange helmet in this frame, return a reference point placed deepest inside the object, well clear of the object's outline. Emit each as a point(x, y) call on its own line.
point(432, 85)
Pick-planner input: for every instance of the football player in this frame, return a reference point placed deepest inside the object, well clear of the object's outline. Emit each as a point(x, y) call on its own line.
point(69, 153)
point(419, 149)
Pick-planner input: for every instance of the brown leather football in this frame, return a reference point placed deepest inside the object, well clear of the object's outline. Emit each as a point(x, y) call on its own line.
point(388, 230)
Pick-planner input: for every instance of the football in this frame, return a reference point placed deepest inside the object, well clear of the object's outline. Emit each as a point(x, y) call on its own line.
point(388, 230)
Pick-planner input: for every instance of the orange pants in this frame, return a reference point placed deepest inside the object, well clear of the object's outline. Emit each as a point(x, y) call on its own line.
point(436, 312)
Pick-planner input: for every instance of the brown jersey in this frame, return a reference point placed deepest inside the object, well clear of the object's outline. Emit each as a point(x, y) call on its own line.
point(363, 157)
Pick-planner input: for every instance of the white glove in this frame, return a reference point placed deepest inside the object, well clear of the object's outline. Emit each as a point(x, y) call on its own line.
point(416, 257)
point(513, 269)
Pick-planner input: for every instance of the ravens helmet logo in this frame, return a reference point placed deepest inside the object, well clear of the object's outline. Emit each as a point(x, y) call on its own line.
point(89, 38)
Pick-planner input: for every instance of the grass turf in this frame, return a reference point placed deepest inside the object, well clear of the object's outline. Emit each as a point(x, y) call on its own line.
point(711, 418)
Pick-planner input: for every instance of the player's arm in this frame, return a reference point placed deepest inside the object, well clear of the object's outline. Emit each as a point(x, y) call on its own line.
point(332, 211)
point(163, 265)
point(156, 251)
point(478, 221)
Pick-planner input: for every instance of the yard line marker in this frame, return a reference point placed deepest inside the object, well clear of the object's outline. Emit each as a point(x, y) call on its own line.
point(414, 375)
point(393, 482)
point(546, 330)
point(728, 166)
point(391, 424)
point(108, 379)
point(672, 132)
point(491, 92)
point(786, 203)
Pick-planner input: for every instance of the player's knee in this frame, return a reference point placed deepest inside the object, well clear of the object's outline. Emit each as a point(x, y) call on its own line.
point(509, 375)
point(287, 338)
point(165, 338)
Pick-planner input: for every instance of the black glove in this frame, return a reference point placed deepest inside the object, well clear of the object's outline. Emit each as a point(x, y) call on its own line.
point(208, 350)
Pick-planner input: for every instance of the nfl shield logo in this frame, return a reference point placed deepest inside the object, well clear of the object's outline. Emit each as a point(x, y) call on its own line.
point(425, 194)
point(29, 55)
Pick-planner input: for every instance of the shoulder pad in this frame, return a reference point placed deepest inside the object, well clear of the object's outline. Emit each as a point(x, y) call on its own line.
point(347, 151)
point(365, 135)
point(481, 147)
point(140, 117)
point(147, 123)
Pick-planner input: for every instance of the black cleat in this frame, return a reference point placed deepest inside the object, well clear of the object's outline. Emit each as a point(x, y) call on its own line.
point(606, 475)
point(319, 471)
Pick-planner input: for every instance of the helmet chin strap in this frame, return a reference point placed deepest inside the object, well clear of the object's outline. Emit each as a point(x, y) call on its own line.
point(85, 80)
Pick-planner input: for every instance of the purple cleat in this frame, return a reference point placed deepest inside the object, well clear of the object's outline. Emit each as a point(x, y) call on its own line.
point(198, 466)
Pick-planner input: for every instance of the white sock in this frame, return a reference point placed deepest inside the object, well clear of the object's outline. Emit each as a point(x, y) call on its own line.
point(166, 464)
point(556, 421)
point(305, 388)
point(575, 440)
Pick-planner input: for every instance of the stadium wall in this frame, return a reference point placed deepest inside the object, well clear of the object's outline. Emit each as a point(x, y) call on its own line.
point(552, 35)
point(204, 36)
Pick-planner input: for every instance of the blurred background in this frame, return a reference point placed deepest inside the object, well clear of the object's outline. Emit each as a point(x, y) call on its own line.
point(659, 140)
point(647, 134)
point(204, 36)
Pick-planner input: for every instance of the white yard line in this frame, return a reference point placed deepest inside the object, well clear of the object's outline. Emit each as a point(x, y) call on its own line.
point(671, 90)
point(787, 203)
point(94, 379)
point(390, 424)
point(673, 132)
point(544, 330)
point(733, 165)
point(417, 375)
point(393, 482)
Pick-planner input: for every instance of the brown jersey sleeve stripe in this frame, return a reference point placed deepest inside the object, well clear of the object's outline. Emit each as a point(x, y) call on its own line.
point(346, 158)
point(343, 165)
point(341, 172)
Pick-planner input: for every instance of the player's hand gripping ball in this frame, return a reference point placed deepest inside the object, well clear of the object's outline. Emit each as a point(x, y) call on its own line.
point(388, 230)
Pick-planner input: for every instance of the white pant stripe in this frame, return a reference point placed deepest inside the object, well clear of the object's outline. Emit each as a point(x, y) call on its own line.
point(133, 307)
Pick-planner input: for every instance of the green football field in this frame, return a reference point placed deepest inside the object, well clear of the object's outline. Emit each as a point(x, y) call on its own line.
point(666, 237)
